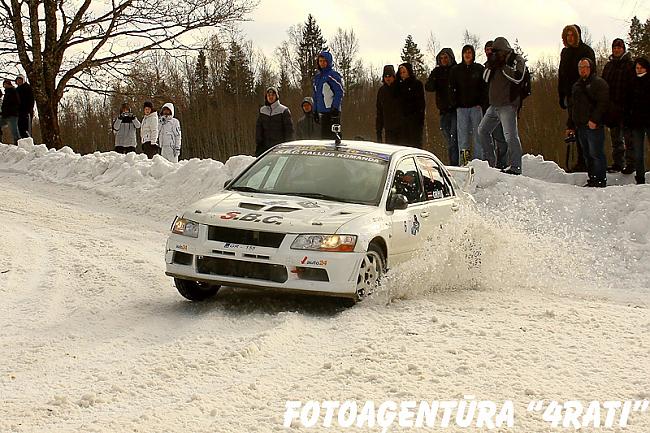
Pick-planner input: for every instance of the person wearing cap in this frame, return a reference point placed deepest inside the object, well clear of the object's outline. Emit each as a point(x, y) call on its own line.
point(574, 50)
point(10, 109)
point(274, 124)
point(505, 72)
point(388, 122)
point(619, 73)
point(306, 127)
point(438, 82)
point(328, 94)
point(26, 107)
point(587, 109)
point(149, 131)
point(637, 114)
point(467, 92)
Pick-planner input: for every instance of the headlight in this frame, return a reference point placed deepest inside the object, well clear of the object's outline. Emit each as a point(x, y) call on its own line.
point(185, 227)
point(344, 243)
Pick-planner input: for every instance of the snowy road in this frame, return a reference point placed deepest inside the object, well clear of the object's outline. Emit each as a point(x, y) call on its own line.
point(94, 337)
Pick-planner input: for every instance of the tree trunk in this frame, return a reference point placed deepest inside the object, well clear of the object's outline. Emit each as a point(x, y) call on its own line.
point(48, 116)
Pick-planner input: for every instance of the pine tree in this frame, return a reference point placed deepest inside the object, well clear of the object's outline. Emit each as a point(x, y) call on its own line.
point(238, 79)
point(639, 38)
point(310, 45)
point(411, 54)
point(201, 74)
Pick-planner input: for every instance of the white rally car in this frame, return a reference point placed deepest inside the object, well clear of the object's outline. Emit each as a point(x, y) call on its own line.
point(312, 216)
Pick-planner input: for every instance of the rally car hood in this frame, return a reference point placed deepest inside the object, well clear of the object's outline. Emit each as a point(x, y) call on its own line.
point(276, 213)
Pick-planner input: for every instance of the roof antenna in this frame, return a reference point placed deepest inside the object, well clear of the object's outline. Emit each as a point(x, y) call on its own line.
point(336, 129)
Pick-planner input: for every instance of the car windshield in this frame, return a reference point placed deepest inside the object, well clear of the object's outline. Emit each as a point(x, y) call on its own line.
point(327, 173)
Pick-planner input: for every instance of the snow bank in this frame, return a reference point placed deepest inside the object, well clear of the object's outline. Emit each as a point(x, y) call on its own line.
point(150, 186)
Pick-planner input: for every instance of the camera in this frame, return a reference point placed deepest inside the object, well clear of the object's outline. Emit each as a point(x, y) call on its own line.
point(571, 138)
point(336, 128)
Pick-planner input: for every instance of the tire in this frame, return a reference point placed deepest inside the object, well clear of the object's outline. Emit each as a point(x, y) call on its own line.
point(371, 270)
point(195, 290)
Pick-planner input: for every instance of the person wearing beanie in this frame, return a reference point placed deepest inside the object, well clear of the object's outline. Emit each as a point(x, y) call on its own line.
point(619, 73)
point(328, 94)
point(274, 124)
point(26, 107)
point(388, 118)
point(498, 139)
point(306, 127)
point(587, 110)
point(124, 128)
point(574, 50)
point(412, 106)
point(438, 82)
point(467, 92)
point(149, 131)
point(637, 114)
point(504, 72)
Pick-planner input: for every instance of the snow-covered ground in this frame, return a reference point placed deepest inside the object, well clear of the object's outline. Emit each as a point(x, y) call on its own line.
point(95, 338)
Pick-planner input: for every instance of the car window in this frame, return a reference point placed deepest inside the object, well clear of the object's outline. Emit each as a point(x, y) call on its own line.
point(435, 184)
point(407, 181)
point(267, 175)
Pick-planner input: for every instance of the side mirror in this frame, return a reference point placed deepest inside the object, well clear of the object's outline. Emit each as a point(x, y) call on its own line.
point(396, 202)
point(226, 183)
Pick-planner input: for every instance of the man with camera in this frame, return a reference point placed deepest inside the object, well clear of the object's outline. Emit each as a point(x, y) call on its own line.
point(124, 129)
point(587, 108)
point(504, 73)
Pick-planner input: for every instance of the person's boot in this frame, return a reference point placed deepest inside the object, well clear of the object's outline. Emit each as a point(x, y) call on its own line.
point(640, 180)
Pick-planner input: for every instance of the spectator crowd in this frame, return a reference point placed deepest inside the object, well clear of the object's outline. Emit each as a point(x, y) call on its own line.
point(478, 106)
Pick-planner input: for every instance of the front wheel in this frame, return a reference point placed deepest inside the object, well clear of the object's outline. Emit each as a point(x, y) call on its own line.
point(196, 290)
point(372, 268)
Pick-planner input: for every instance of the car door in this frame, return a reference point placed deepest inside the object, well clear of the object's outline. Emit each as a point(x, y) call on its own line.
point(439, 199)
point(407, 224)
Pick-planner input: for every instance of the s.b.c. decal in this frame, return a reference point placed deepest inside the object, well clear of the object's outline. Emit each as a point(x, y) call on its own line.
point(252, 217)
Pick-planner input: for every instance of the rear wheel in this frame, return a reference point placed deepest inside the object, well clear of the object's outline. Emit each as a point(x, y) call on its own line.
point(196, 290)
point(372, 268)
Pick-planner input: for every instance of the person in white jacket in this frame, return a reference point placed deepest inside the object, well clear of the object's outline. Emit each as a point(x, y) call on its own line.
point(169, 133)
point(149, 131)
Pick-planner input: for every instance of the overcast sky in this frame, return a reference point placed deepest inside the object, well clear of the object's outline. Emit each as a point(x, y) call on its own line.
point(381, 26)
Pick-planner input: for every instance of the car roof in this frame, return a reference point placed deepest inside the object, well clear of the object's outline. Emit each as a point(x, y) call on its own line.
point(368, 146)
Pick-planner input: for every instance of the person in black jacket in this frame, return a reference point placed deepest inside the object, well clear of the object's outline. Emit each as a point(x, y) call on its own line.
point(439, 82)
point(574, 50)
point(10, 107)
point(26, 107)
point(498, 138)
point(637, 114)
point(589, 103)
point(467, 92)
point(388, 119)
point(412, 106)
point(274, 124)
point(619, 72)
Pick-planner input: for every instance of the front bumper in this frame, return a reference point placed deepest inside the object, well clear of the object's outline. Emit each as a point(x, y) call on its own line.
point(238, 265)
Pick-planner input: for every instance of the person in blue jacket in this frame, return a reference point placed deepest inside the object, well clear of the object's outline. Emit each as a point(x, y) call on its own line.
point(328, 94)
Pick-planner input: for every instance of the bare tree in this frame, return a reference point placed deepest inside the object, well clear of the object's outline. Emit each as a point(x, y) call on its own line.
point(345, 49)
point(433, 47)
point(64, 44)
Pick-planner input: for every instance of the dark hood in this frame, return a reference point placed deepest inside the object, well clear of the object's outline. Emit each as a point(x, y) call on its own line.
point(578, 32)
point(409, 68)
point(310, 101)
point(471, 48)
point(450, 53)
point(592, 66)
point(501, 44)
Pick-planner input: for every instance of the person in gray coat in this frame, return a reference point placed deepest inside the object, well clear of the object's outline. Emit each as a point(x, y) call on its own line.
point(504, 73)
point(124, 128)
point(274, 124)
point(307, 128)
